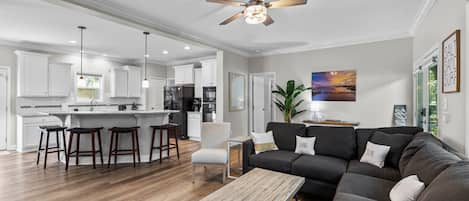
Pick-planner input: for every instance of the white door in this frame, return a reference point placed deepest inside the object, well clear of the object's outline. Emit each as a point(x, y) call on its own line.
point(258, 101)
point(3, 110)
point(156, 94)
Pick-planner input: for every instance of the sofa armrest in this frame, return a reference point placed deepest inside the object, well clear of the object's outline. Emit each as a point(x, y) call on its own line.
point(248, 150)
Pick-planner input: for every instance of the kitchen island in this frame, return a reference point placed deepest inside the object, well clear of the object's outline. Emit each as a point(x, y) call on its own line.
point(109, 119)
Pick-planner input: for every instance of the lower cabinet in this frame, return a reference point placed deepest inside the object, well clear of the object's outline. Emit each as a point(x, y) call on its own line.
point(194, 125)
point(29, 133)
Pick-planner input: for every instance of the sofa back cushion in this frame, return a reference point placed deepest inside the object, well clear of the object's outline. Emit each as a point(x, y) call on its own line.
point(428, 162)
point(285, 134)
point(397, 142)
point(364, 134)
point(414, 145)
point(451, 184)
point(334, 141)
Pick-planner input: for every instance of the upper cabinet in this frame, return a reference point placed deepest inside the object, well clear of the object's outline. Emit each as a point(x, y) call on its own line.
point(209, 73)
point(197, 83)
point(59, 79)
point(184, 74)
point(36, 78)
point(126, 82)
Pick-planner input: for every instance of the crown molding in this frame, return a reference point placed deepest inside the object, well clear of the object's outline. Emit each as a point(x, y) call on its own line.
point(425, 8)
point(335, 44)
point(192, 60)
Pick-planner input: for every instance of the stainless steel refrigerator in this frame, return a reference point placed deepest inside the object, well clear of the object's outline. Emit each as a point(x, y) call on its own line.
point(179, 98)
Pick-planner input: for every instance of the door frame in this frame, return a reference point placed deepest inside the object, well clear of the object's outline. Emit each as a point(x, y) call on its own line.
point(425, 61)
point(273, 112)
point(7, 70)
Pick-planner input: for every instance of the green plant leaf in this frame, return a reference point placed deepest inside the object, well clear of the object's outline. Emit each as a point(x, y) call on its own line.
point(297, 113)
point(297, 104)
point(290, 87)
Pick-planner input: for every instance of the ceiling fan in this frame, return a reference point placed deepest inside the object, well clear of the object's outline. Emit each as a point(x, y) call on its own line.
point(256, 10)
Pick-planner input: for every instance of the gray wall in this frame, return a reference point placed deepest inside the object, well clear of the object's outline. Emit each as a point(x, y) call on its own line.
point(239, 120)
point(444, 18)
point(384, 78)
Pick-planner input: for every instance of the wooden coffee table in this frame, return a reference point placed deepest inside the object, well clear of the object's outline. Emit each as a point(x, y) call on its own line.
point(259, 185)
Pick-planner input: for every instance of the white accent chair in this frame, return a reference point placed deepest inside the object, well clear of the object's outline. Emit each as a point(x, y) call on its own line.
point(213, 152)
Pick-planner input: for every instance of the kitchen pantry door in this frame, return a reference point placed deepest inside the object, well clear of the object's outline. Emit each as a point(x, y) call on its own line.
point(261, 110)
point(3, 108)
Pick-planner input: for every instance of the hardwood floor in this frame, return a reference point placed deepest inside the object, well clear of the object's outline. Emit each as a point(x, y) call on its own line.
point(21, 179)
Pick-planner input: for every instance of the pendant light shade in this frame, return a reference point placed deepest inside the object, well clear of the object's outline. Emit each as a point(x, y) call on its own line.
point(145, 82)
point(82, 28)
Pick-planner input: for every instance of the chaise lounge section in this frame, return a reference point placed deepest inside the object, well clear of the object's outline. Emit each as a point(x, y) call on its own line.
point(335, 172)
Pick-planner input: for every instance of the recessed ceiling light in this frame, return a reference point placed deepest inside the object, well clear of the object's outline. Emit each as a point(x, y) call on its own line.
point(165, 52)
point(258, 51)
point(72, 41)
point(104, 55)
point(187, 47)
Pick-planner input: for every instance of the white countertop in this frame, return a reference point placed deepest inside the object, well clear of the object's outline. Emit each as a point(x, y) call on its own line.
point(126, 112)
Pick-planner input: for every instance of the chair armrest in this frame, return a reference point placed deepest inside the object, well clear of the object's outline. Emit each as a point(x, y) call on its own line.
point(248, 150)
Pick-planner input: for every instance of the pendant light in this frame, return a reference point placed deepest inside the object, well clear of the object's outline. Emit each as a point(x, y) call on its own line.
point(82, 28)
point(145, 82)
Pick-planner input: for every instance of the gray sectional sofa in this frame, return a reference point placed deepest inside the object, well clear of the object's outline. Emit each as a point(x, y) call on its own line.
point(335, 172)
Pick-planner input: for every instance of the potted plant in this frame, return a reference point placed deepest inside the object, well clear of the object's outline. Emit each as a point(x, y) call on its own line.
point(289, 104)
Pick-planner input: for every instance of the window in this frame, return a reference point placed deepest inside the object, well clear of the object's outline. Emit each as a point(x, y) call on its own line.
point(90, 88)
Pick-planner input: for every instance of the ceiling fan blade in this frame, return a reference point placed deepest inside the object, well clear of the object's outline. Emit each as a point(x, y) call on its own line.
point(228, 2)
point(268, 21)
point(285, 3)
point(232, 18)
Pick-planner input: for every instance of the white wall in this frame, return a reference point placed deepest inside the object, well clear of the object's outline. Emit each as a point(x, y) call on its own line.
point(384, 78)
point(239, 120)
point(443, 19)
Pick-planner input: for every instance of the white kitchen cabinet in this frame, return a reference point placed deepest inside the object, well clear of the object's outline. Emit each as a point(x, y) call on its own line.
point(198, 83)
point(209, 73)
point(194, 125)
point(184, 74)
point(28, 133)
point(32, 74)
point(119, 83)
point(59, 80)
point(134, 82)
point(126, 82)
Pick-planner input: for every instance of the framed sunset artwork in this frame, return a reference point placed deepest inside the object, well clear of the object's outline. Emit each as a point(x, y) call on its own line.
point(334, 86)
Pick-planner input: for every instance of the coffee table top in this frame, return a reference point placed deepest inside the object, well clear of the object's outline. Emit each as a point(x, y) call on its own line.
point(259, 185)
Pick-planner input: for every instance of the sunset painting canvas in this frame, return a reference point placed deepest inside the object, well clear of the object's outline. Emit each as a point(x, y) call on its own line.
point(334, 86)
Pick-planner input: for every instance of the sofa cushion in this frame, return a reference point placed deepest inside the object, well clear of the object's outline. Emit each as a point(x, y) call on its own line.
point(397, 142)
point(350, 197)
point(285, 134)
point(334, 141)
point(274, 160)
point(428, 162)
point(322, 168)
point(387, 173)
point(365, 186)
point(414, 145)
point(363, 135)
point(451, 184)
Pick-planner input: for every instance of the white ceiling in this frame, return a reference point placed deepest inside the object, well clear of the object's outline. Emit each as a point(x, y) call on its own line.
point(319, 24)
point(42, 24)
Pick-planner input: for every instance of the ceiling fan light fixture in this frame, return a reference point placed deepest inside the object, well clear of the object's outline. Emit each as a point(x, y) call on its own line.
point(255, 14)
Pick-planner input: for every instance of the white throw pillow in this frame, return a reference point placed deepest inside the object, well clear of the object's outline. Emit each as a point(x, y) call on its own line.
point(305, 145)
point(263, 142)
point(375, 154)
point(407, 189)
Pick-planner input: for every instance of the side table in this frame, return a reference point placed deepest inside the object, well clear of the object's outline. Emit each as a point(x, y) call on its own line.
point(231, 142)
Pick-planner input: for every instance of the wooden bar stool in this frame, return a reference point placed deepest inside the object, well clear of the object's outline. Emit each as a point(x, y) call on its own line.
point(115, 132)
point(84, 131)
point(172, 132)
point(48, 130)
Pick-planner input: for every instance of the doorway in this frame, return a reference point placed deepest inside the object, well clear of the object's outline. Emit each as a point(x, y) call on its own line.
point(426, 90)
point(261, 109)
point(4, 106)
